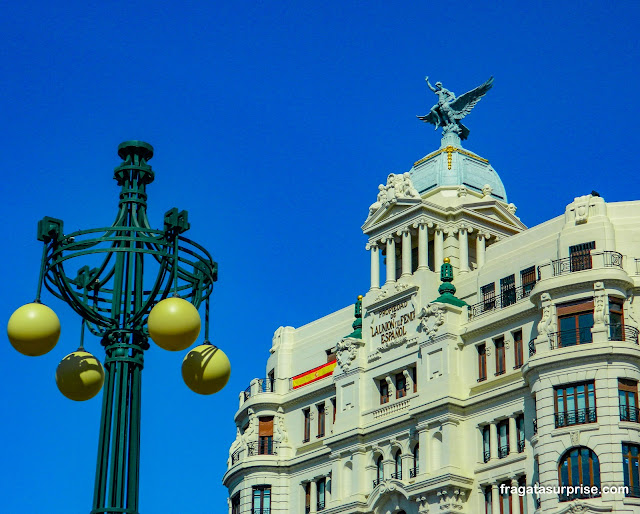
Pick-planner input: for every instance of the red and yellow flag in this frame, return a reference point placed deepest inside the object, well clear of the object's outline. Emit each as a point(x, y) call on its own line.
point(315, 374)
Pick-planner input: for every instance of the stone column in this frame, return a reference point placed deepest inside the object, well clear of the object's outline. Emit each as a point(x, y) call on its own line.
point(513, 435)
point(463, 241)
point(406, 253)
point(495, 498)
point(493, 440)
point(438, 245)
point(480, 248)
point(314, 496)
point(391, 260)
point(515, 499)
point(423, 246)
point(375, 265)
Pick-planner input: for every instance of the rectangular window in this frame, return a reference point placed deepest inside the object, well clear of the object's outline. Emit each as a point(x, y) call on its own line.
point(575, 404)
point(488, 296)
point(505, 497)
point(503, 438)
point(520, 432)
point(500, 357)
point(517, 348)
point(628, 398)
point(486, 443)
point(401, 385)
point(271, 379)
point(334, 409)
point(307, 425)
point(487, 500)
point(321, 417)
point(630, 464)
point(482, 362)
point(414, 377)
point(307, 497)
point(522, 482)
point(384, 391)
point(528, 280)
point(616, 319)
point(575, 320)
point(580, 256)
point(265, 435)
point(235, 504)
point(261, 499)
point(321, 488)
point(508, 290)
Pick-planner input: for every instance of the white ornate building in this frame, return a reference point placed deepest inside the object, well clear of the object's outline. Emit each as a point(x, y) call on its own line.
point(530, 379)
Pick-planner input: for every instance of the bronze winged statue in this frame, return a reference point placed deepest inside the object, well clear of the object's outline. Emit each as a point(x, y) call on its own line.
point(449, 110)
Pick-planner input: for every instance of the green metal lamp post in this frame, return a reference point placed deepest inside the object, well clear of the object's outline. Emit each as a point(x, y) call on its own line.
point(121, 273)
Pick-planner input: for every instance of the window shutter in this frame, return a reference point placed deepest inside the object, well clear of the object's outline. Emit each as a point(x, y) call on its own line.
point(266, 426)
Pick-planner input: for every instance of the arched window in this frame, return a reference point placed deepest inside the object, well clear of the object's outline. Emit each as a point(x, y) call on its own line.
point(416, 452)
point(379, 471)
point(398, 461)
point(579, 467)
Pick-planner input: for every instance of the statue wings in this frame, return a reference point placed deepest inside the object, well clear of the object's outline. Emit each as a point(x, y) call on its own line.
point(462, 105)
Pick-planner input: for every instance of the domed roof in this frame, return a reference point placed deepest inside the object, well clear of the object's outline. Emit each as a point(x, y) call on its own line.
point(452, 165)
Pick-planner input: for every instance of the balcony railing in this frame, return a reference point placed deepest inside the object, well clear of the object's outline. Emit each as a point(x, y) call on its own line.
point(576, 417)
point(265, 447)
point(520, 446)
point(486, 455)
point(633, 491)
point(532, 347)
point(620, 332)
point(247, 393)
point(503, 451)
point(503, 299)
point(320, 505)
point(265, 385)
point(377, 481)
point(413, 472)
point(535, 425)
point(629, 414)
point(397, 475)
point(584, 494)
point(564, 338)
point(584, 262)
point(261, 510)
point(236, 456)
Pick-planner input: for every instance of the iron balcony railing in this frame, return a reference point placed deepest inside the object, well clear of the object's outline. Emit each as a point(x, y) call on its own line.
point(265, 385)
point(576, 417)
point(532, 347)
point(397, 475)
point(247, 393)
point(503, 451)
point(621, 332)
point(261, 510)
point(377, 481)
point(486, 455)
point(633, 491)
point(413, 472)
point(564, 338)
point(629, 413)
point(583, 494)
point(262, 447)
point(236, 456)
point(535, 425)
point(320, 505)
point(584, 262)
point(520, 446)
point(503, 299)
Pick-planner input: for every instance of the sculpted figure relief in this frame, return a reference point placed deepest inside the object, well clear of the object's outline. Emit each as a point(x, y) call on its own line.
point(399, 187)
point(449, 110)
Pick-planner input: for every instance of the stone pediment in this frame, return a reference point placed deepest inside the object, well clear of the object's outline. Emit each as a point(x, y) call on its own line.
point(497, 212)
point(390, 210)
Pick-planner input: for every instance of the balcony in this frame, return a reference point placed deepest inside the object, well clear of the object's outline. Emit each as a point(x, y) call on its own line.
point(397, 475)
point(606, 259)
point(563, 497)
point(413, 472)
point(503, 451)
point(486, 455)
point(504, 299)
point(262, 447)
point(520, 446)
point(236, 456)
point(320, 505)
point(565, 338)
point(532, 347)
point(633, 492)
point(629, 414)
point(377, 481)
point(535, 426)
point(620, 332)
point(576, 417)
point(264, 385)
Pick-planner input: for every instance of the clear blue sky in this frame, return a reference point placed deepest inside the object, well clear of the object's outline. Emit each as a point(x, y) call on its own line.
point(273, 124)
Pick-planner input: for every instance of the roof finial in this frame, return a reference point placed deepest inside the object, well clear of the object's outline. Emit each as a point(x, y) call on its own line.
point(447, 290)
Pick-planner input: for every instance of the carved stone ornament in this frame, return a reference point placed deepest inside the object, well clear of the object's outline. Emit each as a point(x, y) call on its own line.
point(399, 187)
point(462, 191)
point(575, 437)
point(396, 288)
point(487, 190)
point(347, 351)
point(545, 326)
point(512, 208)
point(599, 304)
point(280, 432)
point(581, 207)
point(452, 498)
point(431, 319)
point(423, 505)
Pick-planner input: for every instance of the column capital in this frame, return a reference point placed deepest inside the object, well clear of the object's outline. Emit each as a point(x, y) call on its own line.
point(373, 245)
point(402, 231)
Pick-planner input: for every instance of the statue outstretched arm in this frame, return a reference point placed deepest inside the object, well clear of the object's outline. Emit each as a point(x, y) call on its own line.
point(430, 86)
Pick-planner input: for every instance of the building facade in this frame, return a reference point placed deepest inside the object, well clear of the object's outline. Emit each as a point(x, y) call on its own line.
point(419, 400)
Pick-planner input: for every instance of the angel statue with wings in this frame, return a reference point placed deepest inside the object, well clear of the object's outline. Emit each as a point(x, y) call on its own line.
point(449, 110)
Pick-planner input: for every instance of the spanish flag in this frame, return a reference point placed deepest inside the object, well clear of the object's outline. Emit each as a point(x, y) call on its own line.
point(315, 374)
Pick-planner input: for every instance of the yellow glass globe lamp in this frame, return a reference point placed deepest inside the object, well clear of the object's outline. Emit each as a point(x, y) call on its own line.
point(206, 369)
point(174, 324)
point(79, 376)
point(33, 329)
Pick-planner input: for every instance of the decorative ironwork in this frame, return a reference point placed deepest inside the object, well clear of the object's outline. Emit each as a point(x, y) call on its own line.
point(320, 505)
point(486, 456)
point(236, 456)
point(532, 347)
point(508, 297)
point(377, 481)
point(121, 272)
point(397, 475)
point(535, 426)
point(247, 393)
point(632, 491)
point(520, 446)
point(584, 261)
point(262, 447)
point(620, 332)
point(261, 510)
point(265, 385)
point(584, 493)
point(413, 472)
point(482, 379)
point(499, 372)
point(503, 451)
point(576, 417)
point(565, 338)
point(629, 414)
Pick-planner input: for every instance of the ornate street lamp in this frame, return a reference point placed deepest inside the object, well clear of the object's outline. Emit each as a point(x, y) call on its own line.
point(131, 282)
